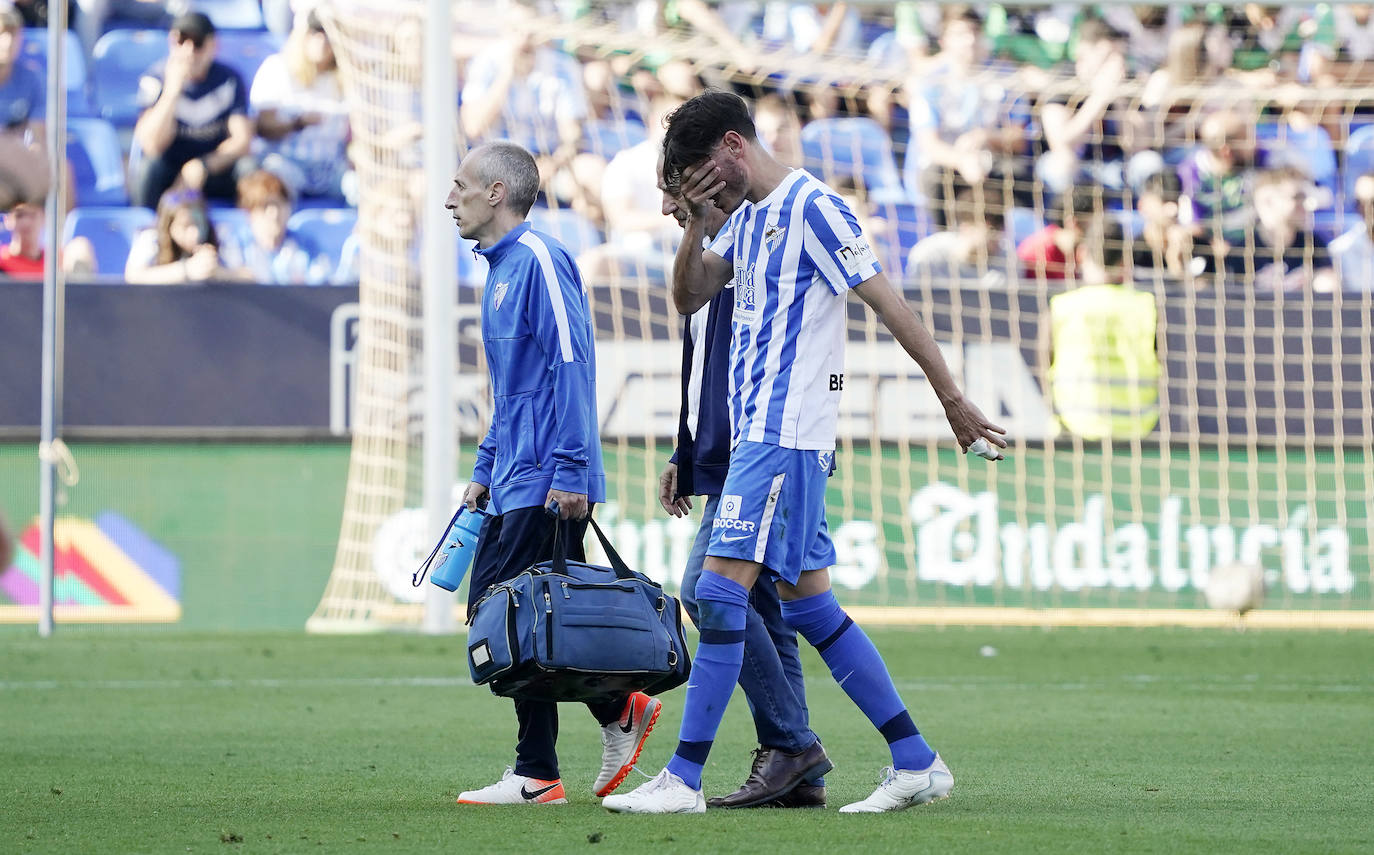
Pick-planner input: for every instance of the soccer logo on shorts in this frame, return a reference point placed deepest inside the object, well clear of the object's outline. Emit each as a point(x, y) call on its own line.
point(729, 507)
point(824, 459)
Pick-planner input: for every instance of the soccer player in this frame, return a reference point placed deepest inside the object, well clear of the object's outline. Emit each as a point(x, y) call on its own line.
point(790, 760)
point(542, 450)
point(793, 251)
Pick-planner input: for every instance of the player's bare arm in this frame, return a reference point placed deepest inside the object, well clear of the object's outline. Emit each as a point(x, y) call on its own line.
point(965, 418)
point(698, 275)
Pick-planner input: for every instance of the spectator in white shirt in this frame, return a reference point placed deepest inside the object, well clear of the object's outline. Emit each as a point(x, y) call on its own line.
point(640, 241)
point(1354, 250)
point(525, 91)
point(302, 118)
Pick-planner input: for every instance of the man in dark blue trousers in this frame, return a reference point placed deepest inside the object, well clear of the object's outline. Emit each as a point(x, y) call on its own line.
point(772, 673)
point(543, 450)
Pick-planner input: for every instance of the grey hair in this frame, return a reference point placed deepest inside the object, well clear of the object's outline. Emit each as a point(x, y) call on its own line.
point(514, 167)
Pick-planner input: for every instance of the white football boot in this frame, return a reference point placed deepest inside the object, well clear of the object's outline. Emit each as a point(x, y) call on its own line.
point(666, 793)
point(904, 788)
point(515, 789)
point(622, 740)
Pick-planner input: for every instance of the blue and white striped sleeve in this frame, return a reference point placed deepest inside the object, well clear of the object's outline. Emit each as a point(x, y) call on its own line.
point(836, 245)
point(723, 244)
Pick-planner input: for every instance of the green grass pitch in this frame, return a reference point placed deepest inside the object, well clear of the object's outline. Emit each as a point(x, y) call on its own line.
point(1070, 740)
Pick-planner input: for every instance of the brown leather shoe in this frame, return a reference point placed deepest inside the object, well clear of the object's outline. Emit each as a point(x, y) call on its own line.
point(802, 796)
point(775, 773)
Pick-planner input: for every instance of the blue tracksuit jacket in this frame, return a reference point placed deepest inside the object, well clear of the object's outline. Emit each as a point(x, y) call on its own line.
point(537, 332)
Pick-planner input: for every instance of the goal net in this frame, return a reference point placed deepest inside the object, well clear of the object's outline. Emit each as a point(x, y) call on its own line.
point(1141, 242)
point(378, 47)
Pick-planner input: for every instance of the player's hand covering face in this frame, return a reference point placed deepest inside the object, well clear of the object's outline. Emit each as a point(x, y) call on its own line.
point(677, 207)
point(704, 184)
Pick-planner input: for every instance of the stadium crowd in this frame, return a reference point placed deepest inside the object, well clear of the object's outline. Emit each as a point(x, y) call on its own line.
point(1226, 145)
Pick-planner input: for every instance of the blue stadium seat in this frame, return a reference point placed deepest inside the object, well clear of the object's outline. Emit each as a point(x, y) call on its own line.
point(97, 162)
point(1310, 150)
point(608, 137)
point(1022, 223)
point(885, 50)
point(1359, 159)
point(904, 226)
point(110, 231)
point(231, 226)
point(244, 51)
point(327, 229)
point(346, 265)
point(853, 148)
point(35, 50)
point(117, 63)
point(1132, 222)
point(230, 14)
point(911, 172)
point(572, 229)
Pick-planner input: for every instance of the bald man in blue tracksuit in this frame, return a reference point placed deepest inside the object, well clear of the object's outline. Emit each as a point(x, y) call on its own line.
point(542, 455)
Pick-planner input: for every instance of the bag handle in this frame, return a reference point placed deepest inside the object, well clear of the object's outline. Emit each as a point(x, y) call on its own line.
point(560, 552)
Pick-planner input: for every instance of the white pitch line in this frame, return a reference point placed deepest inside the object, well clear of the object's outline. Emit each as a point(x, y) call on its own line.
point(240, 683)
point(1214, 683)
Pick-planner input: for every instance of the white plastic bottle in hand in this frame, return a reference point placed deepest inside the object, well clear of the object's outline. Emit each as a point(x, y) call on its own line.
point(985, 449)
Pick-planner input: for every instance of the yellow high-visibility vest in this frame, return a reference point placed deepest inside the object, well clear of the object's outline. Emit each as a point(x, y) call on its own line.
point(1105, 374)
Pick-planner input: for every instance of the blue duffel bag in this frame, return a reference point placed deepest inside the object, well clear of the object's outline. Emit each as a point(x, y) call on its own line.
point(568, 631)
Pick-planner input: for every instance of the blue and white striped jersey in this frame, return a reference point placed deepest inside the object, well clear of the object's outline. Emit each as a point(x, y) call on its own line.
point(796, 254)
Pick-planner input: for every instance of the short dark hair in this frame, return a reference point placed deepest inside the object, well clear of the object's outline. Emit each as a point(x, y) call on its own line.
point(1106, 243)
point(514, 167)
point(1165, 184)
point(1080, 203)
point(1278, 174)
point(1094, 30)
point(195, 27)
point(962, 15)
point(973, 205)
point(694, 129)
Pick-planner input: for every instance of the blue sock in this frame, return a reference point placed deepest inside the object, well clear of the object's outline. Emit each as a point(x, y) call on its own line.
point(723, 604)
point(858, 667)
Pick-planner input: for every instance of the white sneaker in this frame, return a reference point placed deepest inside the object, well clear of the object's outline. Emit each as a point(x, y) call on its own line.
point(621, 741)
point(904, 788)
point(515, 789)
point(666, 793)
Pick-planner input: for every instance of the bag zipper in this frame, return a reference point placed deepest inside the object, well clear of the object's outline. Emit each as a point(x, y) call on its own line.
point(548, 625)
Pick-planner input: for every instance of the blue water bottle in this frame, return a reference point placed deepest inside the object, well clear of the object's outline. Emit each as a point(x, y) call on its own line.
point(452, 556)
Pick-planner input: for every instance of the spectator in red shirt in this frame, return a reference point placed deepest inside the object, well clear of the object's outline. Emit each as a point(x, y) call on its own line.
point(23, 256)
point(1046, 253)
